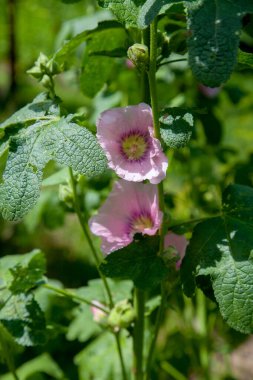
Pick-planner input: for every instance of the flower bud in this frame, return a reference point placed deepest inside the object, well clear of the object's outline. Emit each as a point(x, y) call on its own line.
point(35, 72)
point(46, 81)
point(122, 315)
point(66, 194)
point(138, 54)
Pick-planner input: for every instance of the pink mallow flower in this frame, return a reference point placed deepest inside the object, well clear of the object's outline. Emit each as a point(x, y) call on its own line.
point(130, 208)
point(179, 243)
point(127, 136)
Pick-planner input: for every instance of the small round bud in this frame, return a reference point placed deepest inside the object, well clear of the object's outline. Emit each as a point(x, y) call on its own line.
point(138, 54)
point(122, 315)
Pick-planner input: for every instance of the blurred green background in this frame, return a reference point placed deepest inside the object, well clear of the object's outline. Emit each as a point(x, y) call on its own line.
point(221, 152)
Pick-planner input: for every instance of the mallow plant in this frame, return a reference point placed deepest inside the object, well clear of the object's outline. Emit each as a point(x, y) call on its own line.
point(145, 255)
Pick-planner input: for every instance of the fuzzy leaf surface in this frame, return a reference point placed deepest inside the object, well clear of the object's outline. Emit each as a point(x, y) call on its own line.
point(126, 11)
point(214, 27)
point(138, 262)
point(220, 252)
point(61, 140)
point(176, 127)
point(41, 108)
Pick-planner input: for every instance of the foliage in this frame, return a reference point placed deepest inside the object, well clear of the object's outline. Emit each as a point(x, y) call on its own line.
point(51, 166)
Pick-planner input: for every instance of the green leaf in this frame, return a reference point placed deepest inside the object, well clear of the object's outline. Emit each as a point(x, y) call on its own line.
point(214, 27)
point(41, 364)
point(27, 276)
point(138, 262)
point(96, 72)
point(41, 108)
point(99, 360)
point(244, 60)
point(20, 273)
point(72, 145)
point(62, 54)
point(66, 142)
point(126, 11)
point(8, 347)
point(120, 290)
point(82, 316)
point(23, 318)
point(176, 127)
point(23, 173)
point(220, 251)
point(151, 9)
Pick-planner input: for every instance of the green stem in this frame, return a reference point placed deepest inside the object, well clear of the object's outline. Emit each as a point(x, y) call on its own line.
point(159, 319)
point(139, 303)
point(172, 371)
point(172, 61)
point(194, 221)
point(87, 235)
point(123, 368)
point(73, 296)
point(155, 111)
point(97, 260)
point(203, 347)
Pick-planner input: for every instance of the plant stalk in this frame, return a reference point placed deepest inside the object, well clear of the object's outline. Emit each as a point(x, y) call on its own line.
point(155, 111)
point(159, 319)
point(139, 304)
point(83, 224)
point(73, 296)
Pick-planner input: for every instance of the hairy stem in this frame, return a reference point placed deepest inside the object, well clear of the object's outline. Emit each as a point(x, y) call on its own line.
point(139, 304)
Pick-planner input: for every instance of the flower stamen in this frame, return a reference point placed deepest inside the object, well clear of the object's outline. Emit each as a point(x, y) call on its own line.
point(140, 222)
point(134, 146)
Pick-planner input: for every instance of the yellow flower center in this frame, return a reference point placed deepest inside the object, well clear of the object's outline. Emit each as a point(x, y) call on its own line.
point(142, 222)
point(134, 146)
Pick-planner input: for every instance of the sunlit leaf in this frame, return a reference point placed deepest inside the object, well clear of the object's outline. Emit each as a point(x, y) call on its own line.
point(221, 251)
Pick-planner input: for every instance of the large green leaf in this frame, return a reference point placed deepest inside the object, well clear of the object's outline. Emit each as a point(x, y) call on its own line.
point(41, 108)
point(29, 151)
point(220, 253)
point(214, 27)
point(22, 317)
point(62, 54)
point(138, 262)
point(151, 9)
point(107, 43)
point(126, 11)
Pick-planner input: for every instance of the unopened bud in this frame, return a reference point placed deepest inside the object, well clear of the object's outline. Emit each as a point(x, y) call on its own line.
point(138, 54)
point(122, 315)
